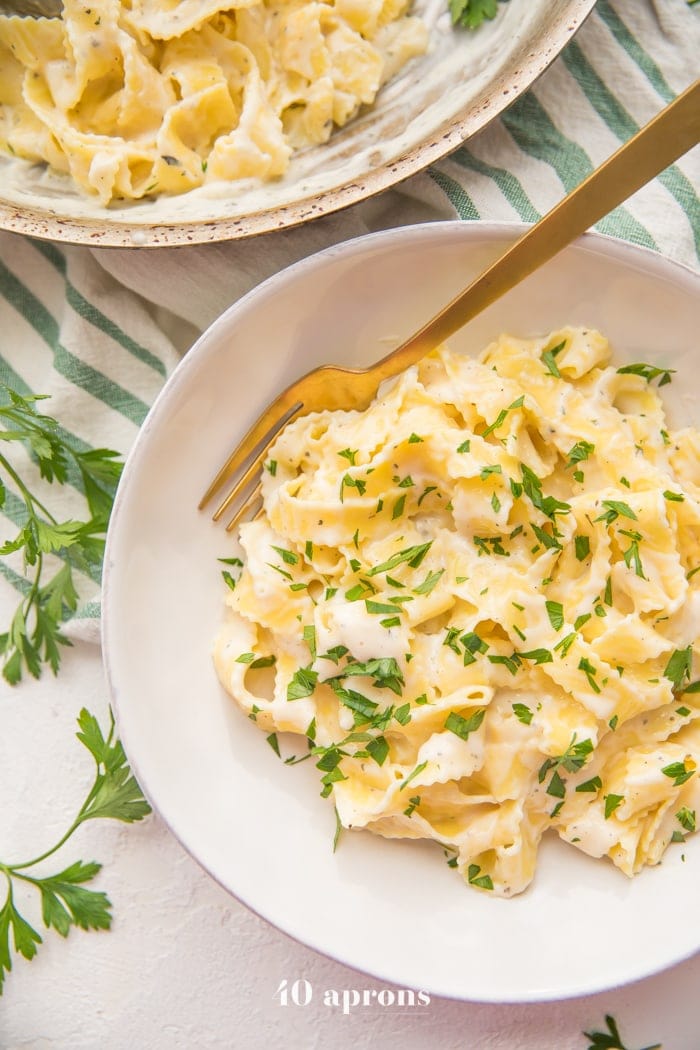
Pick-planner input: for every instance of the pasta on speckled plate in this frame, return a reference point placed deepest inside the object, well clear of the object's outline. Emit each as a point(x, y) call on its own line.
point(479, 601)
point(140, 97)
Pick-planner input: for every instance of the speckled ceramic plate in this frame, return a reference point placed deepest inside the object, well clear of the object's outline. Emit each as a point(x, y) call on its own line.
point(390, 908)
point(440, 100)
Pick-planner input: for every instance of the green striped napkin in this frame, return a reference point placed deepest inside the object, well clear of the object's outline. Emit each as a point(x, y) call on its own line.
point(99, 330)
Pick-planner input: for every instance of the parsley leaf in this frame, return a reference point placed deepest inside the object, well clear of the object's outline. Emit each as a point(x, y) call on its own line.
point(472, 13)
point(462, 727)
point(65, 901)
point(648, 372)
point(679, 666)
point(484, 882)
point(34, 637)
point(555, 612)
point(611, 1040)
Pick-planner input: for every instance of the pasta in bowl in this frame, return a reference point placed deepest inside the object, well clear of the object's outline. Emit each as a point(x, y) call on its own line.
point(479, 604)
point(391, 908)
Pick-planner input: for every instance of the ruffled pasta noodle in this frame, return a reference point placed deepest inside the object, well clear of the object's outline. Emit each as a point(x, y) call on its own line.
point(480, 601)
point(137, 97)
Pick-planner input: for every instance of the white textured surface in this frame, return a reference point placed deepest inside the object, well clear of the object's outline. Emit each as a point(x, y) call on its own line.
point(187, 968)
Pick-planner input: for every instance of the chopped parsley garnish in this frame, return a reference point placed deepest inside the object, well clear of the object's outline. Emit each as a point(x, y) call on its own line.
point(274, 743)
point(686, 818)
point(590, 672)
point(378, 749)
point(532, 487)
point(489, 469)
point(256, 662)
point(611, 1040)
point(349, 454)
point(614, 509)
point(592, 785)
point(412, 775)
point(538, 656)
point(379, 608)
point(403, 714)
point(303, 683)
point(484, 882)
point(678, 773)
point(482, 543)
point(414, 802)
point(398, 507)
point(465, 446)
point(679, 666)
point(472, 13)
point(549, 359)
point(547, 540)
point(412, 556)
point(426, 492)
point(511, 662)
point(523, 713)
point(463, 727)
point(611, 804)
point(631, 555)
point(565, 643)
point(648, 372)
point(501, 417)
point(579, 452)
point(429, 583)
point(571, 761)
point(352, 483)
point(384, 672)
point(582, 547)
point(287, 556)
point(555, 612)
point(362, 707)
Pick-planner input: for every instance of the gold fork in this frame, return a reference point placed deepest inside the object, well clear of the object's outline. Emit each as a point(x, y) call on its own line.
point(674, 131)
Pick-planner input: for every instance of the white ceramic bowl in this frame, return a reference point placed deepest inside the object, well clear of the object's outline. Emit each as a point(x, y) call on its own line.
point(393, 909)
point(434, 104)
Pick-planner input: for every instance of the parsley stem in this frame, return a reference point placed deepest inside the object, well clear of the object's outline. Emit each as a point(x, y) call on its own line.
point(15, 869)
point(30, 500)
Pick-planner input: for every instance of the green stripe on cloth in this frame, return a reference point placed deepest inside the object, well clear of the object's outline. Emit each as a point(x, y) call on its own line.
point(508, 184)
point(68, 365)
point(535, 133)
point(456, 194)
point(634, 49)
point(18, 582)
point(618, 120)
point(89, 312)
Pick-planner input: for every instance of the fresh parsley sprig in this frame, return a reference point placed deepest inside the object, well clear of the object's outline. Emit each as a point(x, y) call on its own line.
point(611, 1040)
point(472, 13)
point(65, 900)
point(34, 636)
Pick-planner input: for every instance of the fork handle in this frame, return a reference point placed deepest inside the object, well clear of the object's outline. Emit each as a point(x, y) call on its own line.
point(670, 134)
